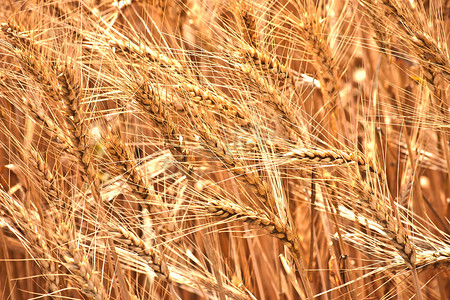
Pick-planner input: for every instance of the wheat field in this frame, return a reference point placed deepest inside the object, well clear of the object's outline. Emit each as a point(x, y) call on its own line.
point(207, 149)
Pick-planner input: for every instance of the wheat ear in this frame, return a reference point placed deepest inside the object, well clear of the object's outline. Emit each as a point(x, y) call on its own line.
point(273, 225)
point(28, 221)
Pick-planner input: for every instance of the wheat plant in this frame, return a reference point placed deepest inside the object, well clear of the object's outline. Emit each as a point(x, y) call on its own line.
point(207, 149)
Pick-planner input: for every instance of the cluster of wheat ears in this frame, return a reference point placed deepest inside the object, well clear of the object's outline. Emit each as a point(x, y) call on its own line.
point(208, 149)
